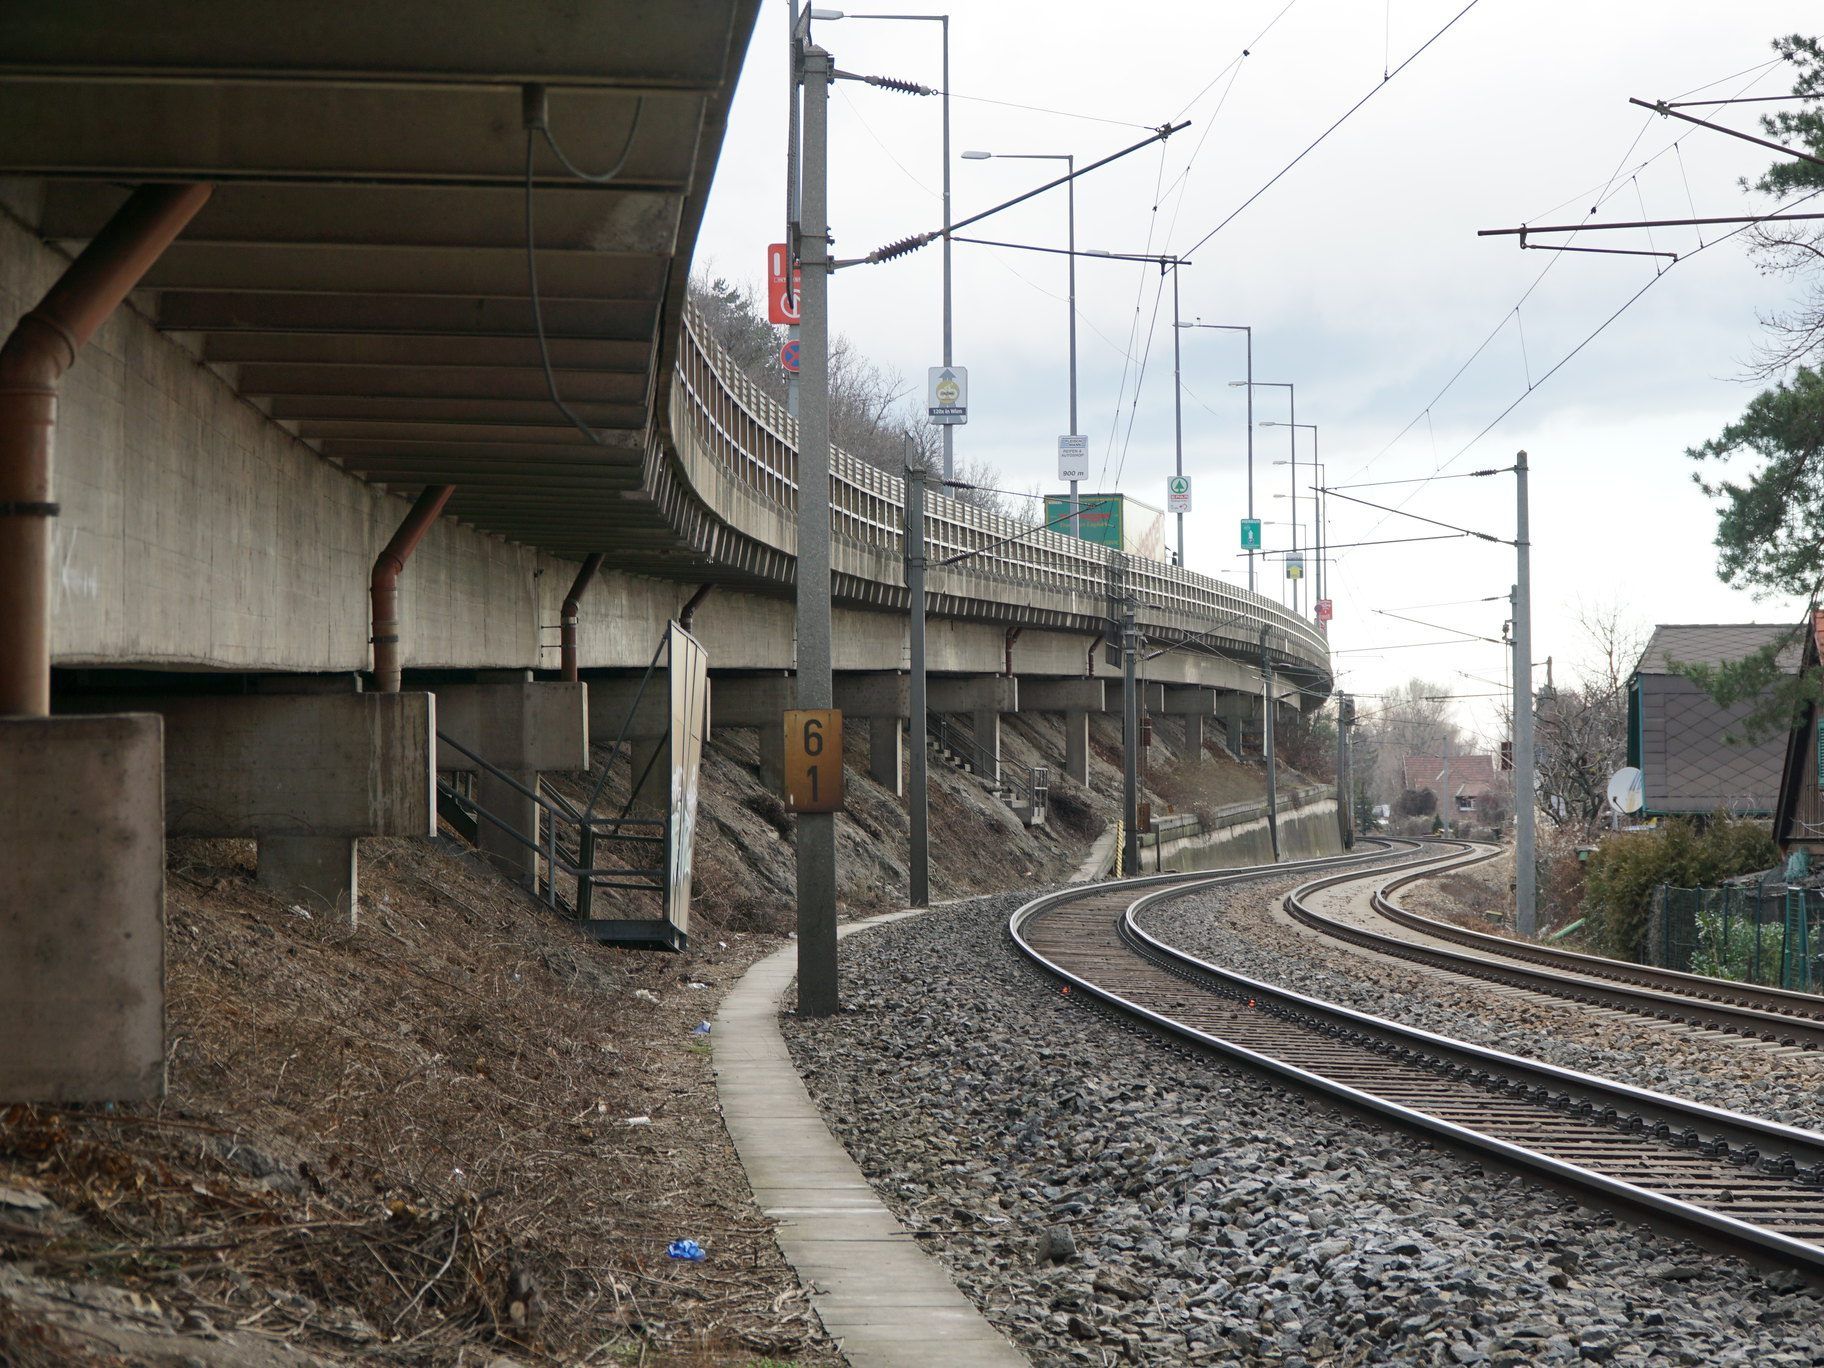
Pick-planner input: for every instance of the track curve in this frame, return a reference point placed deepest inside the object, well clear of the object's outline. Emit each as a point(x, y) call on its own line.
point(1750, 1182)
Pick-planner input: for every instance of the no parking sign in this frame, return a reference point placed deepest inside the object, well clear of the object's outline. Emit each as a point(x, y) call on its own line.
point(788, 356)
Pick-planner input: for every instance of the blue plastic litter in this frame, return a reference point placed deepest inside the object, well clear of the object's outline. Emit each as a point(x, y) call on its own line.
point(701, 1028)
point(687, 1249)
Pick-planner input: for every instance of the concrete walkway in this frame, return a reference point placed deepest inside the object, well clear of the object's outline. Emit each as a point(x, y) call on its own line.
point(881, 1298)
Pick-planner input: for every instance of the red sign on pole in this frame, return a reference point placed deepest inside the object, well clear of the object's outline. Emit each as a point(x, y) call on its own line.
point(781, 307)
point(1323, 610)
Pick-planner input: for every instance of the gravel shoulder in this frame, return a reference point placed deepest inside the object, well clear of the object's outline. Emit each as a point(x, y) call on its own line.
point(1105, 1199)
point(1245, 930)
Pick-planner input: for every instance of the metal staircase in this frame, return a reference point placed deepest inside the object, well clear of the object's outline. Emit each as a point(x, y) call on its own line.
point(1022, 788)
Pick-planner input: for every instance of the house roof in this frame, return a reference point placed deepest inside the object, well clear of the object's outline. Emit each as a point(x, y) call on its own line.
point(1469, 774)
point(1713, 643)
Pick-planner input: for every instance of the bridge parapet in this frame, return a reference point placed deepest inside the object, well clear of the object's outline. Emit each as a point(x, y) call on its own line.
point(737, 447)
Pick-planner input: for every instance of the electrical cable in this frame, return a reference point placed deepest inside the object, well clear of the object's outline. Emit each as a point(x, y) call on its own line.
point(1343, 118)
point(538, 313)
point(1040, 109)
point(620, 162)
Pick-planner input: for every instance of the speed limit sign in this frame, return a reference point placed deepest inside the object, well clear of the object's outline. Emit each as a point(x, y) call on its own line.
point(813, 760)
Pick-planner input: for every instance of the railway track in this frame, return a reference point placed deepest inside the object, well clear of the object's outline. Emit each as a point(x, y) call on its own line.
point(1773, 1015)
point(1750, 1182)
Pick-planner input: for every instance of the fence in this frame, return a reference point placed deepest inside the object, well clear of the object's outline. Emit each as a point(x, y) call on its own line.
point(1757, 932)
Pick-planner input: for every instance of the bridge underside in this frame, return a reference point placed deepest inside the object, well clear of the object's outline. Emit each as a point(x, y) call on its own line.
point(360, 272)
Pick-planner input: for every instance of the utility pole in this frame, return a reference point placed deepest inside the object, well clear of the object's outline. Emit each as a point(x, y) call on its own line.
point(917, 798)
point(1130, 742)
point(949, 428)
point(816, 838)
point(1266, 675)
point(1345, 784)
point(1446, 801)
point(1526, 907)
point(1251, 554)
point(1177, 404)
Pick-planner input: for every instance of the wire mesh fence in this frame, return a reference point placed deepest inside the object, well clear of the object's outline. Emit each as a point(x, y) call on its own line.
point(1757, 931)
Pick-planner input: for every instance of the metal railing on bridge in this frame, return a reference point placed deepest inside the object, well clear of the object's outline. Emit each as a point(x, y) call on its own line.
point(752, 440)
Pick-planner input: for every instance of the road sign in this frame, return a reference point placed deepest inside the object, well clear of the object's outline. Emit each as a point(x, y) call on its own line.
point(1250, 534)
point(781, 308)
point(1178, 494)
point(1324, 610)
point(788, 356)
point(813, 760)
point(947, 395)
point(1073, 458)
point(1295, 565)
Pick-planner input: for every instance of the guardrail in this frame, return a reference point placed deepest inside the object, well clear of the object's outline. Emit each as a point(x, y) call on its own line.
point(752, 441)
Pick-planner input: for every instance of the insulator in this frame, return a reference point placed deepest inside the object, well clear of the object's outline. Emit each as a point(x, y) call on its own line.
point(900, 248)
point(903, 87)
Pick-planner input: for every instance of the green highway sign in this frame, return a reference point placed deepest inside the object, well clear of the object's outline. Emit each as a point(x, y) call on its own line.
point(1250, 534)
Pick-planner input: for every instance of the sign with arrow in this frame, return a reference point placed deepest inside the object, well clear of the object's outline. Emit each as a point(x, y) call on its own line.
point(1178, 494)
point(947, 395)
point(1250, 534)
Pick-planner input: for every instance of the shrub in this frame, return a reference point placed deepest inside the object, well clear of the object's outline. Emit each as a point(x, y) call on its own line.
point(1417, 803)
point(1623, 871)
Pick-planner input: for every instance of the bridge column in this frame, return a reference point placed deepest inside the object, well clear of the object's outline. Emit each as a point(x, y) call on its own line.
point(610, 699)
point(1194, 706)
point(759, 702)
point(1240, 717)
point(319, 872)
point(82, 905)
point(520, 728)
point(884, 700)
point(984, 698)
point(1076, 699)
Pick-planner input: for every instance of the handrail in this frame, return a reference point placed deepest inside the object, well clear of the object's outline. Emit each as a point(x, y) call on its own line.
point(751, 440)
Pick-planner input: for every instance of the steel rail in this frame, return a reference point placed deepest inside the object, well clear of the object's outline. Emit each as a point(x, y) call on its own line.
point(1652, 1152)
point(1775, 1007)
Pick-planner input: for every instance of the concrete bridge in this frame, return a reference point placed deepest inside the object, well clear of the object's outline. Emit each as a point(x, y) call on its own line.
point(284, 491)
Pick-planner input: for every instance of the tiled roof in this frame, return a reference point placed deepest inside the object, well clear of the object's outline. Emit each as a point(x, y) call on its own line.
point(1714, 643)
point(1423, 771)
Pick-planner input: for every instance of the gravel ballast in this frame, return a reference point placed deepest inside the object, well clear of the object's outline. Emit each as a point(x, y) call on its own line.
point(1105, 1199)
point(1241, 929)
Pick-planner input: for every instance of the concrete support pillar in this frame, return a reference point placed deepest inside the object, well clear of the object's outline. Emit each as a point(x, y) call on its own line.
point(319, 873)
point(1076, 747)
point(521, 729)
point(758, 702)
point(886, 753)
point(986, 724)
point(1193, 736)
point(82, 905)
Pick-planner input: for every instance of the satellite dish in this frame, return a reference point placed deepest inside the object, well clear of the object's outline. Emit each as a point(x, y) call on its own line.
point(1627, 790)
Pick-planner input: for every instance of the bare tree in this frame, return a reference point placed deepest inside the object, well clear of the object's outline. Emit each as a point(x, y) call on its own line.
point(1582, 731)
point(1412, 720)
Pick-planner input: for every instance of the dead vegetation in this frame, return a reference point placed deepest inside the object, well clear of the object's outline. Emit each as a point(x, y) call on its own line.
point(416, 1135)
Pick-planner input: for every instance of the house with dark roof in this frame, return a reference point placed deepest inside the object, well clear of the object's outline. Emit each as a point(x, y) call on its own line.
point(1798, 818)
point(1471, 778)
point(1692, 753)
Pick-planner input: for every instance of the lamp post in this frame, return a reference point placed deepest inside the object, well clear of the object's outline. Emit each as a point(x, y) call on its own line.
point(1317, 520)
point(1242, 328)
point(1292, 397)
point(1070, 164)
point(944, 21)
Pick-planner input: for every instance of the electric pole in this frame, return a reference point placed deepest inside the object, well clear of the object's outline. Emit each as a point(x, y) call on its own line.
point(1130, 743)
point(816, 834)
point(1526, 908)
point(918, 867)
point(1266, 675)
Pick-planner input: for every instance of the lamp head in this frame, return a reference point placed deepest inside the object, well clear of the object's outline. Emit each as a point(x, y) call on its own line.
point(978, 156)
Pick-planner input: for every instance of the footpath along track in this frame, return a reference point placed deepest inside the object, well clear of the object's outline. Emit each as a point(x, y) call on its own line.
point(1774, 1015)
point(1748, 1181)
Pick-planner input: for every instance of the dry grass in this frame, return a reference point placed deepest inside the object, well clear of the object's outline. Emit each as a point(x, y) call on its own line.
point(399, 1140)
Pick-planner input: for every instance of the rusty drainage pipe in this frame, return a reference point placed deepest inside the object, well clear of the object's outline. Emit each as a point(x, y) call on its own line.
point(566, 622)
point(43, 345)
point(384, 585)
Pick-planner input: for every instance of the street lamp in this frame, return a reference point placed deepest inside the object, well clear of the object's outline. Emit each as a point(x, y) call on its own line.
point(1070, 164)
point(1317, 521)
point(1292, 397)
point(1242, 328)
point(944, 20)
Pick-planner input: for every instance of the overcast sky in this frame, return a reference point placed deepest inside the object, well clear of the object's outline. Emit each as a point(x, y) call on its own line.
point(1359, 271)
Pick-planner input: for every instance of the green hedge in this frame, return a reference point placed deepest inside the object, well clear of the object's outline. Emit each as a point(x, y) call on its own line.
point(1624, 869)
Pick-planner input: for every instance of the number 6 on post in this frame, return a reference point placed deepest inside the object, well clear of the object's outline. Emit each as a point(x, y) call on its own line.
point(813, 760)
